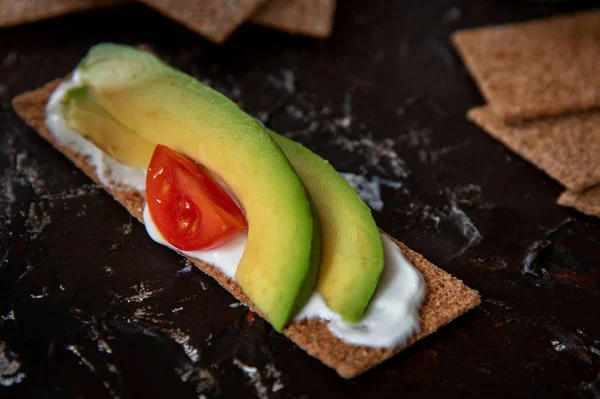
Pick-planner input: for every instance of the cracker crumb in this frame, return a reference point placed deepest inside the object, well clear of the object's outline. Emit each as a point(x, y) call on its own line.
point(9, 367)
point(255, 378)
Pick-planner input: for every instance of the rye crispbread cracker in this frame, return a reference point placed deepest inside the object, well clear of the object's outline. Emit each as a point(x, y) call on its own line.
point(215, 19)
point(567, 148)
point(305, 17)
point(22, 11)
point(538, 68)
point(447, 297)
point(587, 201)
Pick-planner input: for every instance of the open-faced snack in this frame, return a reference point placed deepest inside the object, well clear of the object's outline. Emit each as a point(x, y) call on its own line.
point(305, 17)
point(537, 68)
point(405, 299)
point(565, 147)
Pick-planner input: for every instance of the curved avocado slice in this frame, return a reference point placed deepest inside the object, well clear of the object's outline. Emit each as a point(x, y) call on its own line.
point(353, 258)
point(98, 126)
point(162, 105)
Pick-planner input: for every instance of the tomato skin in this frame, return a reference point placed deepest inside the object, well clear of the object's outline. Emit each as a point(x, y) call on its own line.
point(188, 207)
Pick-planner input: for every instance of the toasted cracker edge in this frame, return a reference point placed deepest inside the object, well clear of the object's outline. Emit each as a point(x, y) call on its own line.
point(23, 11)
point(587, 202)
point(214, 19)
point(564, 147)
point(447, 297)
point(305, 17)
point(573, 85)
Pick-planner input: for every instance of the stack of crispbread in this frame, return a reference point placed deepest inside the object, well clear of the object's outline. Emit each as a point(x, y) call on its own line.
point(541, 80)
point(214, 19)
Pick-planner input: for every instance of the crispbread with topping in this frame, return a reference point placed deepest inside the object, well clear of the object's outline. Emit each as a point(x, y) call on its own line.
point(447, 297)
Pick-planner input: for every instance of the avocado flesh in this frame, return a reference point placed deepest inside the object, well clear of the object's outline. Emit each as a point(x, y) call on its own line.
point(87, 118)
point(352, 255)
point(95, 124)
point(162, 105)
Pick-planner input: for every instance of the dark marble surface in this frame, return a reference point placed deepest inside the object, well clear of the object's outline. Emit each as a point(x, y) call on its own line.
point(91, 308)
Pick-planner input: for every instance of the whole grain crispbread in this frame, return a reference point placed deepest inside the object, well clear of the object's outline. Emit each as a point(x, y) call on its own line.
point(305, 17)
point(564, 147)
point(587, 201)
point(537, 68)
point(22, 11)
point(447, 297)
point(214, 19)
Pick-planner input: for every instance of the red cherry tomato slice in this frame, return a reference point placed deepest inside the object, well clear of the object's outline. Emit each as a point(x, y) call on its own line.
point(189, 208)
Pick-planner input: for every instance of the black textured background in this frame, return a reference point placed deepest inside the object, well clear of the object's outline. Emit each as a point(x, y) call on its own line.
point(90, 307)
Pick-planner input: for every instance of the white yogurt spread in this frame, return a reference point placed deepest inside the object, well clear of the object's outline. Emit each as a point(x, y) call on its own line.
point(392, 316)
point(109, 171)
point(226, 257)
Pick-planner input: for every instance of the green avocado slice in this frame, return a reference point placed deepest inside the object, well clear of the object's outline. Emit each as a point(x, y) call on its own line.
point(162, 105)
point(95, 124)
point(352, 250)
point(353, 255)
